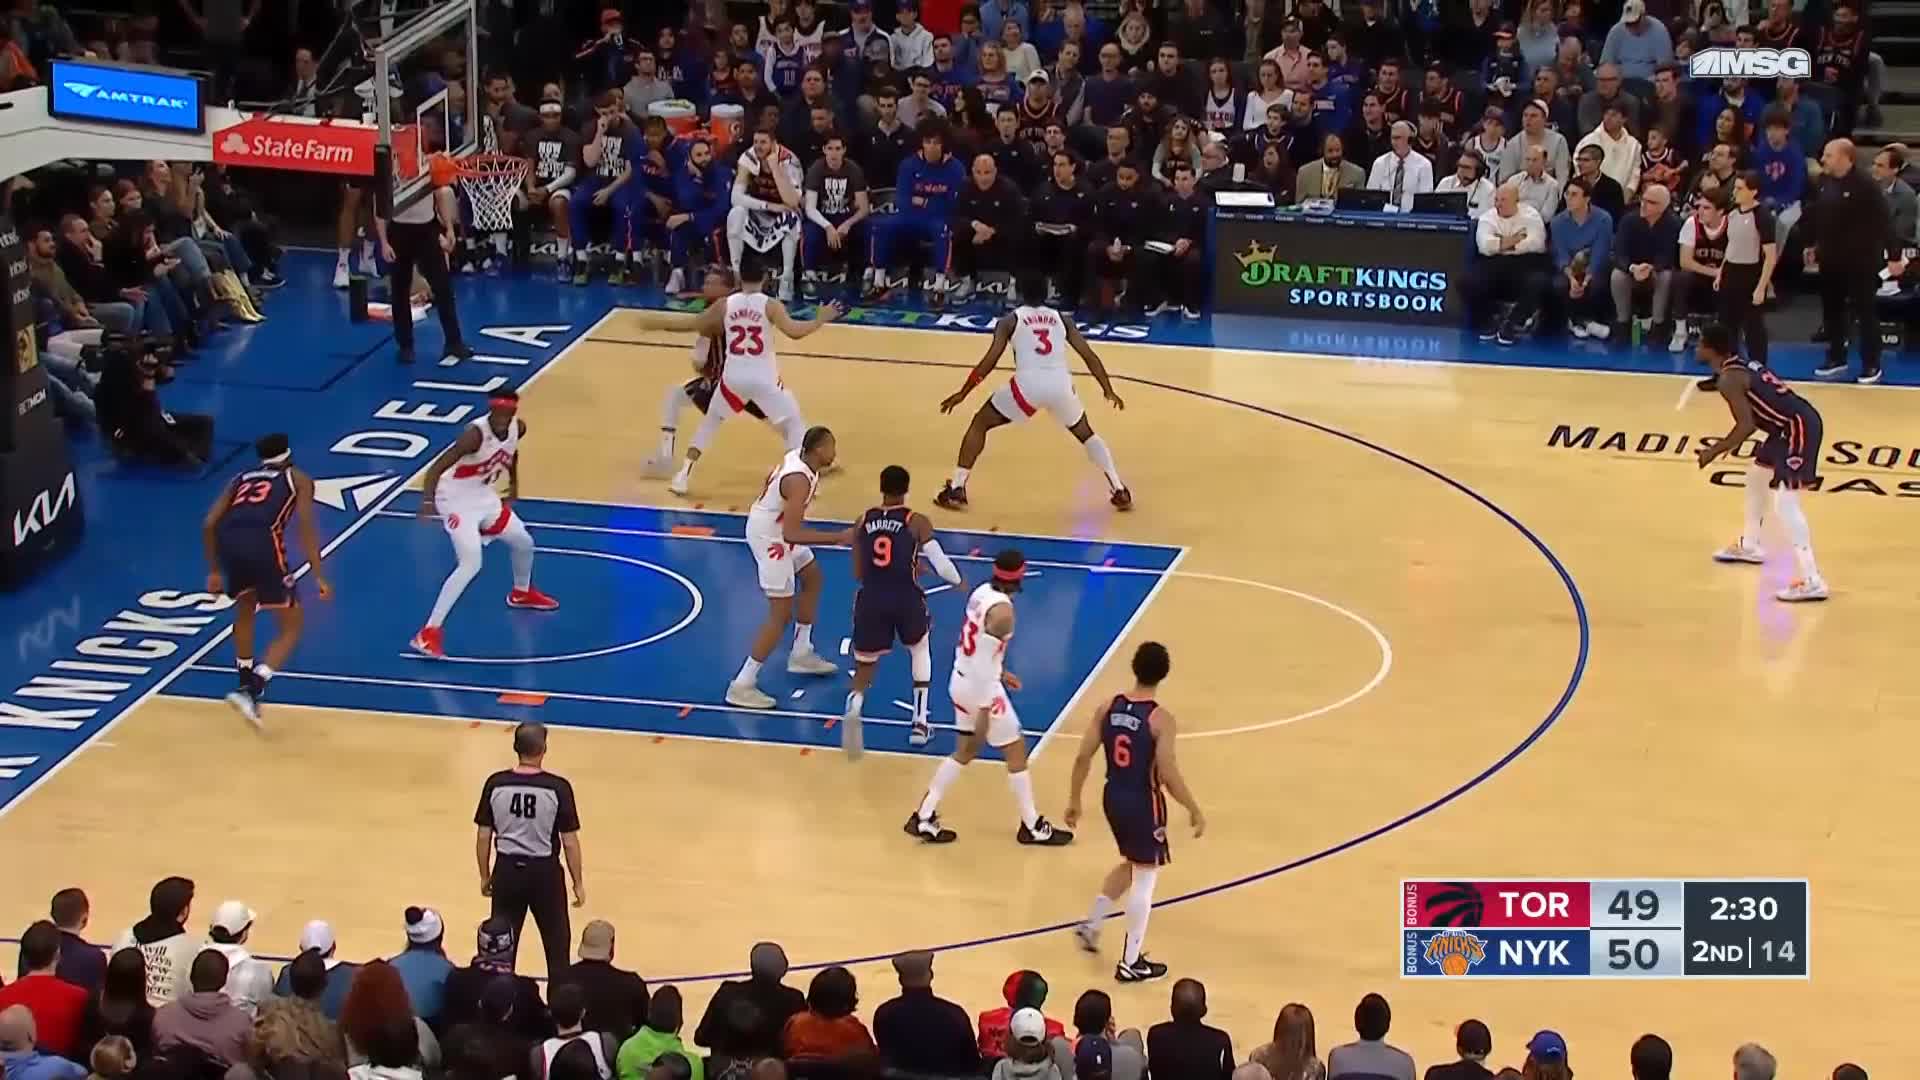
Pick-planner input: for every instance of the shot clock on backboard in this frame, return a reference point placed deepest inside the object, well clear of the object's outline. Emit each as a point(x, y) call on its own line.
point(1739, 928)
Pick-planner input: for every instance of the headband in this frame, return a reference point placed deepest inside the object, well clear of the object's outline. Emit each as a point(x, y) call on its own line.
point(1015, 574)
point(503, 402)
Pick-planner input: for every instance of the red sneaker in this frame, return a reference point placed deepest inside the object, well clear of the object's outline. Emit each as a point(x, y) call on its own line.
point(532, 599)
point(430, 641)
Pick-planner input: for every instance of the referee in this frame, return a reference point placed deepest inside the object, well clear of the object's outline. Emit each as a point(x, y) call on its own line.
point(1746, 273)
point(526, 818)
point(420, 235)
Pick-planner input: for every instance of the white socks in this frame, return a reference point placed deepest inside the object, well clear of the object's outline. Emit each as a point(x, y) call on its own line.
point(1022, 784)
point(1759, 494)
point(520, 543)
point(264, 673)
point(1139, 907)
point(802, 638)
point(1102, 907)
point(749, 672)
point(1102, 457)
point(1787, 502)
point(566, 250)
point(943, 777)
point(960, 476)
point(922, 658)
point(670, 406)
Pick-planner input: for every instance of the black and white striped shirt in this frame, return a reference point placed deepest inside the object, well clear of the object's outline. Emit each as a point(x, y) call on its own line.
point(528, 812)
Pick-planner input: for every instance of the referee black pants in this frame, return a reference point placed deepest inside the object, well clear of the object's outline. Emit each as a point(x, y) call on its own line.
point(522, 884)
point(418, 244)
point(1737, 311)
point(1847, 305)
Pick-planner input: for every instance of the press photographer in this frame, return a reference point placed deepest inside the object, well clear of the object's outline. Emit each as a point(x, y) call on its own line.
point(131, 416)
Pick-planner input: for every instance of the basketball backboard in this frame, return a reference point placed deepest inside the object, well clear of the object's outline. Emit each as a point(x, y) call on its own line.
point(426, 77)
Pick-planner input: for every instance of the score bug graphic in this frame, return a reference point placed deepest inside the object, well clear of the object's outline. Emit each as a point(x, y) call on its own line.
point(1654, 928)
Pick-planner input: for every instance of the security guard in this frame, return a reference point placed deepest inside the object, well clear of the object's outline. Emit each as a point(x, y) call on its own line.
point(526, 818)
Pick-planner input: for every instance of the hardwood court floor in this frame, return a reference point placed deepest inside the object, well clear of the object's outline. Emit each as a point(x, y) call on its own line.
point(1712, 733)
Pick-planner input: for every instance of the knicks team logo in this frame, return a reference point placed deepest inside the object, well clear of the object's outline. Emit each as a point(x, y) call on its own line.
point(1454, 952)
point(1795, 462)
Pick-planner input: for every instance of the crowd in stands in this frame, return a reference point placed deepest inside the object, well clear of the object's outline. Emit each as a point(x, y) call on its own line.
point(170, 1002)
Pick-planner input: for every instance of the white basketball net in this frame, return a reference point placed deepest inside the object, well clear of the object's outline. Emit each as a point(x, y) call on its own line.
point(491, 181)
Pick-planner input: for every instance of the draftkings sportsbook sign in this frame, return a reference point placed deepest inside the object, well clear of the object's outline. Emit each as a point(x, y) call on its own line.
point(1324, 270)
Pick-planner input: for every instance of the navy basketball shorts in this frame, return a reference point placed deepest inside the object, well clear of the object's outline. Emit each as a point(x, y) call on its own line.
point(1793, 454)
point(255, 564)
point(881, 616)
point(1139, 824)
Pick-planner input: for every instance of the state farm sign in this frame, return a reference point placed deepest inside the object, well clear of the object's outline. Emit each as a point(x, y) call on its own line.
point(303, 145)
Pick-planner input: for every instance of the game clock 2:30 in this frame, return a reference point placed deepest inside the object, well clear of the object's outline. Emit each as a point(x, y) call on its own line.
point(1752, 928)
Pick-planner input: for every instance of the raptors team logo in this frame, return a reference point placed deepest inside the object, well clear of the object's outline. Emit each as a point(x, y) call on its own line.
point(1455, 952)
point(1795, 462)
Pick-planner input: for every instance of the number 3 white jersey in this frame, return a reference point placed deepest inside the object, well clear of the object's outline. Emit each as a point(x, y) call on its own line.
point(980, 658)
point(472, 478)
point(748, 338)
point(1039, 342)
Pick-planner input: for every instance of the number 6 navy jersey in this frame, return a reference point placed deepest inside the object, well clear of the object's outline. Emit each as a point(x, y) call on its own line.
point(1135, 807)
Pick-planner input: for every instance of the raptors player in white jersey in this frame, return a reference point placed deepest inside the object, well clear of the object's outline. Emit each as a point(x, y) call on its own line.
point(982, 712)
point(709, 362)
point(460, 486)
point(744, 326)
point(1040, 337)
point(778, 536)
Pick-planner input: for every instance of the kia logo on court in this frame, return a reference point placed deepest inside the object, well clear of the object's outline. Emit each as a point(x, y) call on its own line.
point(43, 511)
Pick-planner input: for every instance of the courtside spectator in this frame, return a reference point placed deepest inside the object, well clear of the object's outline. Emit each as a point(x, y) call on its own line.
point(989, 227)
point(1581, 237)
point(1292, 1055)
point(1327, 177)
point(318, 936)
point(1636, 43)
point(1620, 151)
point(1029, 1056)
point(1535, 134)
point(492, 968)
point(919, 1032)
point(616, 1000)
point(113, 1058)
point(1184, 1048)
point(1652, 1059)
point(423, 965)
point(1849, 1072)
point(1903, 209)
point(162, 936)
point(1181, 274)
point(1123, 1053)
point(1252, 1071)
point(828, 1030)
point(1782, 169)
point(493, 1043)
point(729, 1057)
point(1646, 247)
point(774, 1000)
point(660, 1035)
point(1123, 214)
point(57, 1005)
point(375, 1002)
point(249, 982)
point(572, 1037)
point(119, 1007)
point(1469, 176)
point(1023, 990)
point(1750, 1062)
point(392, 1053)
point(1547, 1059)
point(293, 1037)
point(1604, 190)
point(203, 1020)
point(1372, 1056)
point(75, 313)
point(19, 1060)
point(1473, 1042)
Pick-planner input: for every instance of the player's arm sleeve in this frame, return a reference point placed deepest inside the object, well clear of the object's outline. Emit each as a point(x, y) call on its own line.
point(942, 565)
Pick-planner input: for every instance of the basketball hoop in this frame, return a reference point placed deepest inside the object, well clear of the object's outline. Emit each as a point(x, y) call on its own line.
point(490, 181)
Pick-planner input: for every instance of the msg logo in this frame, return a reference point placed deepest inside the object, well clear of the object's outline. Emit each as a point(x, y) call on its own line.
point(1750, 64)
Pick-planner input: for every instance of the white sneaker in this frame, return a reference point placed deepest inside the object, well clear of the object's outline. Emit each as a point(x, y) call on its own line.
point(1088, 935)
point(1803, 590)
point(748, 696)
point(1679, 342)
point(1740, 552)
point(1600, 331)
point(676, 281)
point(1578, 330)
point(811, 663)
point(920, 734)
point(340, 274)
point(244, 704)
point(680, 483)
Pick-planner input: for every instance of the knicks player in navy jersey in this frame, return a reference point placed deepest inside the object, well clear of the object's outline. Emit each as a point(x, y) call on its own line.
point(888, 541)
point(245, 535)
point(1787, 461)
point(1136, 734)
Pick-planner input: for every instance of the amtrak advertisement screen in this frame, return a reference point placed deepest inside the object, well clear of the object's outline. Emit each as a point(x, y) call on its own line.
point(123, 95)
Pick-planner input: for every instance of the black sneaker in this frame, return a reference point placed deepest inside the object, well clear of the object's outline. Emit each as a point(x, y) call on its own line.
point(406, 355)
point(951, 498)
point(1708, 385)
point(1830, 370)
point(1141, 970)
point(459, 350)
point(265, 278)
point(1043, 834)
point(1122, 499)
point(1508, 336)
point(1489, 332)
point(1869, 377)
point(929, 830)
point(1820, 334)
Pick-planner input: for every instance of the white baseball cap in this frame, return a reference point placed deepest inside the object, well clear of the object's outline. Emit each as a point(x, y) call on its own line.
point(232, 916)
point(317, 935)
point(1028, 1026)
